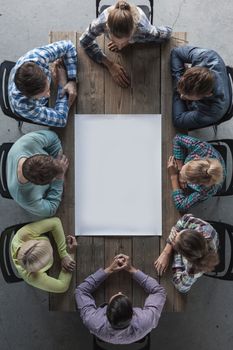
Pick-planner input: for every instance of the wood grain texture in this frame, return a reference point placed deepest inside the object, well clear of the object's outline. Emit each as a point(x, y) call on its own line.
point(150, 92)
point(66, 302)
point(175, 300)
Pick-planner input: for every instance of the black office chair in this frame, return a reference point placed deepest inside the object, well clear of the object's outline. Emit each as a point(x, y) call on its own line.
point(5, 70)
point(223, 270)
point(99, 344)
point(4, 149)
point(147, 10)
point(6, 265)
point(225, 148)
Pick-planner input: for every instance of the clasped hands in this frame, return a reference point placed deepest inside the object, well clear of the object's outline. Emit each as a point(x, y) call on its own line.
point(120, 262)
point(60, 76)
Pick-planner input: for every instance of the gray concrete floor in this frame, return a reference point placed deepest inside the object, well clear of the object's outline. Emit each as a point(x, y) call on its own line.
point(25, 322)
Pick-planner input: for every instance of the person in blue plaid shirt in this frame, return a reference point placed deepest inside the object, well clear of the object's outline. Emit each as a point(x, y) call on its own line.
point(194, 243)
point(196, 169)
point(122, 24)
point(29, 83)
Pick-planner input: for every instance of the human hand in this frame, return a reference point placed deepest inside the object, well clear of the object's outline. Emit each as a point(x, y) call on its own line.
point(63, 163)
point(71, 244)
point(117, 264)
point(172, 166)
point(119, 74)
point(70, 88)
point(127, 262)
point(162, 262)
point(179, 163)
point(68, 263)
point(183, 184)
point(61, 73)
point(112, 46)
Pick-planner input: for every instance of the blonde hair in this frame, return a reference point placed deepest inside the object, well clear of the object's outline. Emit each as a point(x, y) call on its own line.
point(122, 19)
point(34, 255)
point(206, 171)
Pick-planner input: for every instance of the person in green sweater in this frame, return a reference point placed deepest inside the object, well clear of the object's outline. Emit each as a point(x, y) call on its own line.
point(32, 255)
point(35, 171)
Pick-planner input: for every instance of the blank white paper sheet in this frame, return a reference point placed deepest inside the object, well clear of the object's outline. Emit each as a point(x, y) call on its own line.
point(118, 175)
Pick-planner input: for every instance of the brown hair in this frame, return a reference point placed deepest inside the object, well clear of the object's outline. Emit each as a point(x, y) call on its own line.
point(197, 81)
point(206, 171)
point(40, 169)
point(120, 20)
point(30, 79)
point(197, 250)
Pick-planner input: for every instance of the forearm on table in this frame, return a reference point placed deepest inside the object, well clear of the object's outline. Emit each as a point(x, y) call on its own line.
point(175, 182)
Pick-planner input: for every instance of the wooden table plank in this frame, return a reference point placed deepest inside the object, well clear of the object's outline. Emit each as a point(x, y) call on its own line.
point(66, 209)
point(99, 94)
point(175, 300)
point(90, 252)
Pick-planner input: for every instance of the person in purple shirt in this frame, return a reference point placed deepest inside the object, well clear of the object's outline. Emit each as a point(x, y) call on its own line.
point(118, 322)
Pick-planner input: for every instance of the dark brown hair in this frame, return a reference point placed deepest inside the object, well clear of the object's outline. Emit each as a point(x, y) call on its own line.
point(119, 312)
point(120, 20)
point(197, 81)
point(40, 169)
point(30, 79)
point(197, 250)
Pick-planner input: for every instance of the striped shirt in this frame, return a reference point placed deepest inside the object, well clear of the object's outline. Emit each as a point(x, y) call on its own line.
point(144, 32)
point(183, 278)
point(36, 109)
point(188, 148)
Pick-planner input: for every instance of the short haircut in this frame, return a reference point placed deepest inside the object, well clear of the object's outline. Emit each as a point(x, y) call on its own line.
point(197, 81)
point(30, 79)
point(40, 169)
point(120, 20)
point(120, 312)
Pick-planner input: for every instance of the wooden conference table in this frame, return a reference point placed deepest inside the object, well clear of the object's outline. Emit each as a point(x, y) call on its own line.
point(150, 93)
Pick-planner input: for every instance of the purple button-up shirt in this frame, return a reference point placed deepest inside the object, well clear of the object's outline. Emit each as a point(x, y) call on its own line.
point(143, 320)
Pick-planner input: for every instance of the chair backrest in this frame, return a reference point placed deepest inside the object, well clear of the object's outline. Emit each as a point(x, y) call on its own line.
point(98, 343)
point(229, 113)
point(4, 150)
point(148, 11)
point(224, 269)
point(6, 265)
point(5, 70)
point(225, 148)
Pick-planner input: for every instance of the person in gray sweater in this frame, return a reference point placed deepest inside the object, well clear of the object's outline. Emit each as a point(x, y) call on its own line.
point(202, 92)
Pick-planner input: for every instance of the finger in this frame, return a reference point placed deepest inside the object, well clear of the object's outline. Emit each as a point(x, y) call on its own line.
point(122, 82)
point(124, 75)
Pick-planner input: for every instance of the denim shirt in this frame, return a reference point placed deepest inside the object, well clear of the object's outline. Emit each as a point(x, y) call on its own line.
point(209, 110)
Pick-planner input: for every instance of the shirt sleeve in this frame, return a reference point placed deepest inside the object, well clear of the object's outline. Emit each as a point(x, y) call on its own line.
point(154, 33)
point(60, 49)
point(181, 56)
point(183, 118)
point(156, 299)
point(184, 202)
point(83, 295)
point(38, 228)
point(49, 284)
point(56, 116)
point(48, 205)
point(88, 39)
point(181, 279)
point(184, 144)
